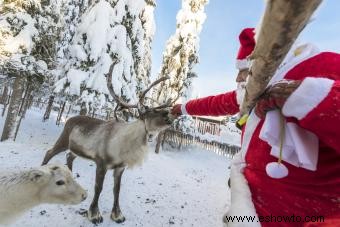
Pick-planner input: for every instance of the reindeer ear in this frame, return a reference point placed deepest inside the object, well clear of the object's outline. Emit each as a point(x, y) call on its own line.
point(36, 175)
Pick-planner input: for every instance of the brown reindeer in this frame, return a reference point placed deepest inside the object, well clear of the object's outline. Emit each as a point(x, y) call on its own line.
point(111, 144)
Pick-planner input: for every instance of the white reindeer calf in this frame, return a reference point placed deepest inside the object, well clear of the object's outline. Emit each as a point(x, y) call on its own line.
point(21, 191)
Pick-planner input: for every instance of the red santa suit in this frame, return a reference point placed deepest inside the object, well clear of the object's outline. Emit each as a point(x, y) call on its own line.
point(315, 107)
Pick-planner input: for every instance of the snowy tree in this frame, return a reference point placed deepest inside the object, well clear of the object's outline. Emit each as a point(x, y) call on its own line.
point(71, 13)
point(181, 55)
point(108, 31)
point(181, 52)
point(28, 35)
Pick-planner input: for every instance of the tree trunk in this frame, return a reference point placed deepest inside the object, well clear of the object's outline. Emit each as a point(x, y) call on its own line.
point(4, 95)
point(30, 101)
point(282, 23)
point(24, 104)
point(83, 110)
point(13, 109)
point(60, 114)
point(69, 110)
point(48, 108)
point(23, 108)
point(40, 103)
point(93, 112)
point(107, 115)
point(6, 104)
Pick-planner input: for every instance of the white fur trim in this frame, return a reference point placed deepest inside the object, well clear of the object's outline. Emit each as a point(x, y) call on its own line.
point(307, 96)
point(241, 201)
point(242, 64)
point(183, 109)
point(252, 122)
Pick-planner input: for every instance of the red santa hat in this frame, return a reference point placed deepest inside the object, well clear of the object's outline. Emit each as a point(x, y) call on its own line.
point(247, 44)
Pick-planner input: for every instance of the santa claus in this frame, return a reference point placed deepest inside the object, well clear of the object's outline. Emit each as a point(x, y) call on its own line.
point(288, 170)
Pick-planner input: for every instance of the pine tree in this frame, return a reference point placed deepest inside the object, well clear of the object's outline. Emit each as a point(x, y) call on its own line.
point(181, 52)
point(70, 17)
point(108, 31)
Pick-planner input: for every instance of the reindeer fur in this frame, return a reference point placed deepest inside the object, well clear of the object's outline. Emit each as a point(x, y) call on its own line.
point(20, 191)
point(111, 145)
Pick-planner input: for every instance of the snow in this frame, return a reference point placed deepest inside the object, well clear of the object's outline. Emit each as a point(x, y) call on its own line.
point(95, 25)
point(77, 77)
point(23, 40)
point(150, 25)
point(173, 188)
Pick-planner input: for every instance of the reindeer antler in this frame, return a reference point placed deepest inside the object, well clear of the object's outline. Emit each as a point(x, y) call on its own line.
point(110, 88)
point(122, 102)
point(141, 99)
point(168, 103)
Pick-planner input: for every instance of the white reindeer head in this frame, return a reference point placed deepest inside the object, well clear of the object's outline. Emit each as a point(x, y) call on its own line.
point(57, 185)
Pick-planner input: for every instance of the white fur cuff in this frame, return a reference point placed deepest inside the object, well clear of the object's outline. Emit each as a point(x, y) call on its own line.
point(310, 93)
point(242, 64)
point(184, 110)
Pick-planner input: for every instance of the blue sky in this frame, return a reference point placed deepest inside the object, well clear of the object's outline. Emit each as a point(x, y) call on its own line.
point(219, 37)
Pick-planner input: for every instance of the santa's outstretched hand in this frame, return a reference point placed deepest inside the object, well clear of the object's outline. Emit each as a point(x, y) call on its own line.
point(275, 96)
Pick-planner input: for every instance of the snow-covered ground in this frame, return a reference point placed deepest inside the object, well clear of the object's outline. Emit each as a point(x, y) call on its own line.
point(173, 188)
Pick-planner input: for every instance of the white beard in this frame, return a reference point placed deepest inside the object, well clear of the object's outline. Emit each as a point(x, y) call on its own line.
point(240, 92)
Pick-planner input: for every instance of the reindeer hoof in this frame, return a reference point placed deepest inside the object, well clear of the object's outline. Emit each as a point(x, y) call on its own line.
point(96, 220)
point(94, 217)
point(118, 218)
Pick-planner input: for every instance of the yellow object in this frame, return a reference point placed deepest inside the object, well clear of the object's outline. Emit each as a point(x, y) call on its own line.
point(243, 120)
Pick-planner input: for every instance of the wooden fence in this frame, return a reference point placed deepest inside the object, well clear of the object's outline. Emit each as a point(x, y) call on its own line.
point(179, 140)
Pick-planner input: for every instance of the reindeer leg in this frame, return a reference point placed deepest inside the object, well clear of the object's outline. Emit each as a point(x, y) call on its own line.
point(93, 214)
point(51, 153)
point(116, 214)
point(60, 146)
point(70, 158)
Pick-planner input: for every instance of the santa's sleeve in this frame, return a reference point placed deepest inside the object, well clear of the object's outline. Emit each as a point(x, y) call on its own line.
point(223, 104)
point(316, 105)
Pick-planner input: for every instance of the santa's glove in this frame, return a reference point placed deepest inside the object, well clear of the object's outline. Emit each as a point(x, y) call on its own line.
point(275, 96)
point(176, 110)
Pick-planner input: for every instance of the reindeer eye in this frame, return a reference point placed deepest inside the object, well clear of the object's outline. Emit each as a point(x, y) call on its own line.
point(60, 182)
